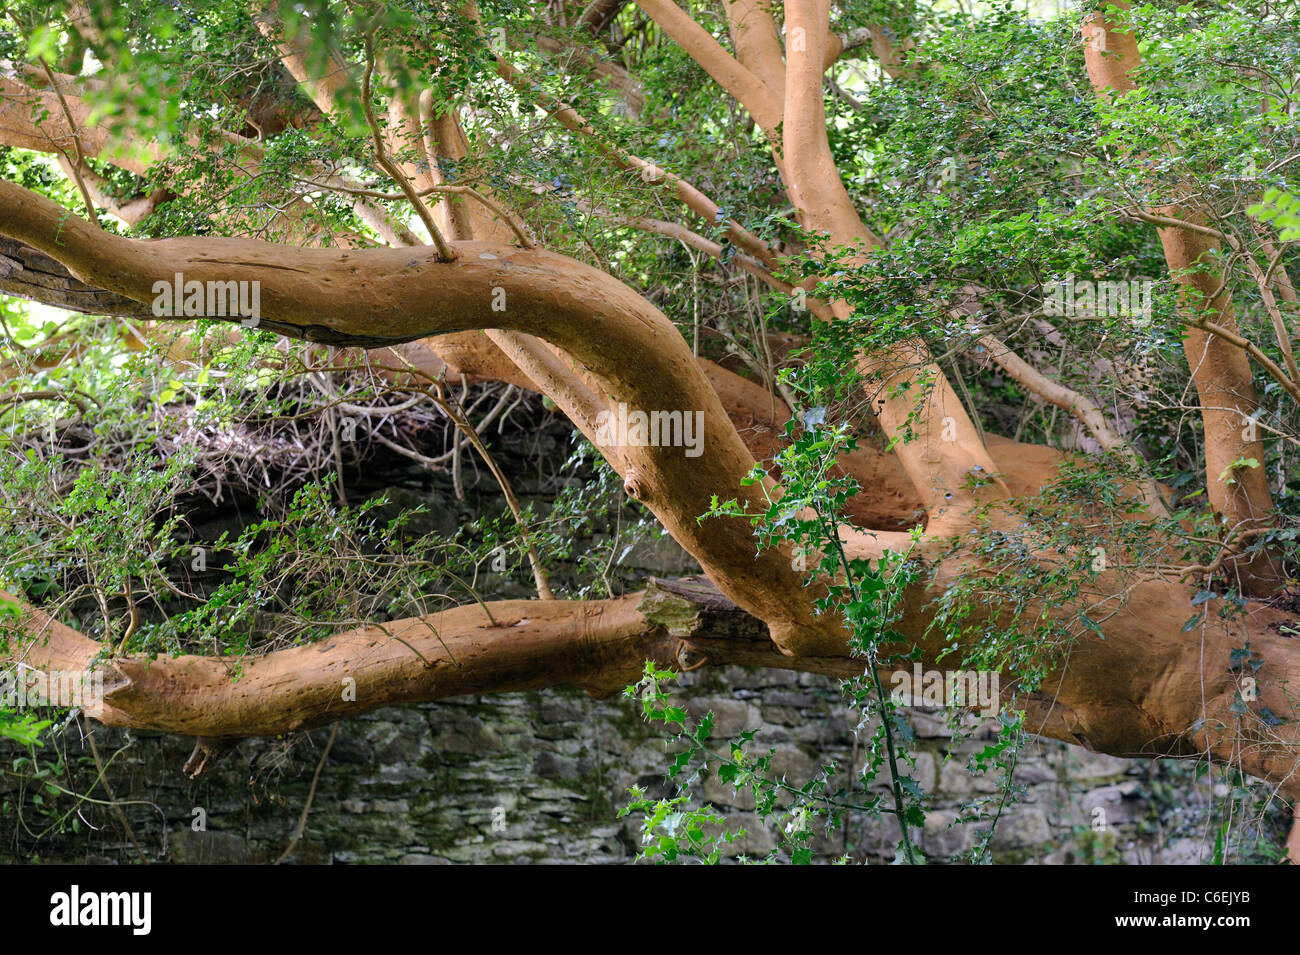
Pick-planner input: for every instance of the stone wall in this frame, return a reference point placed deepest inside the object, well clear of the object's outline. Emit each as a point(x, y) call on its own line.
point(539, 777)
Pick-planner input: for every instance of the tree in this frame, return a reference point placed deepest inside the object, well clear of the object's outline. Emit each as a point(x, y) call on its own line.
point(446, 194)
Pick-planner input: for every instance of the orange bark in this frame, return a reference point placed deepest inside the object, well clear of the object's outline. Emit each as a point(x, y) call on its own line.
point(1221, 371)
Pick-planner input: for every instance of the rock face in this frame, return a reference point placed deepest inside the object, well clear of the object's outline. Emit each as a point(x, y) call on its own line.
point(539, 777)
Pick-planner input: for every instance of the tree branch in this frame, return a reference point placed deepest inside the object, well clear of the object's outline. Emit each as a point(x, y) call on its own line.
point(372, 297)
point(730, 74)
point(1219, 367)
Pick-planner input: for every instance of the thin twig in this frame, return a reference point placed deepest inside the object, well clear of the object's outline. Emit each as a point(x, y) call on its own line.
point(311, 794)
point(445, 252)
point(108, 789)
point(91, 212)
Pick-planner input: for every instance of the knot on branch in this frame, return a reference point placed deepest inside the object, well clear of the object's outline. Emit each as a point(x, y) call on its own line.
point(634, 487)
point(689, 658)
